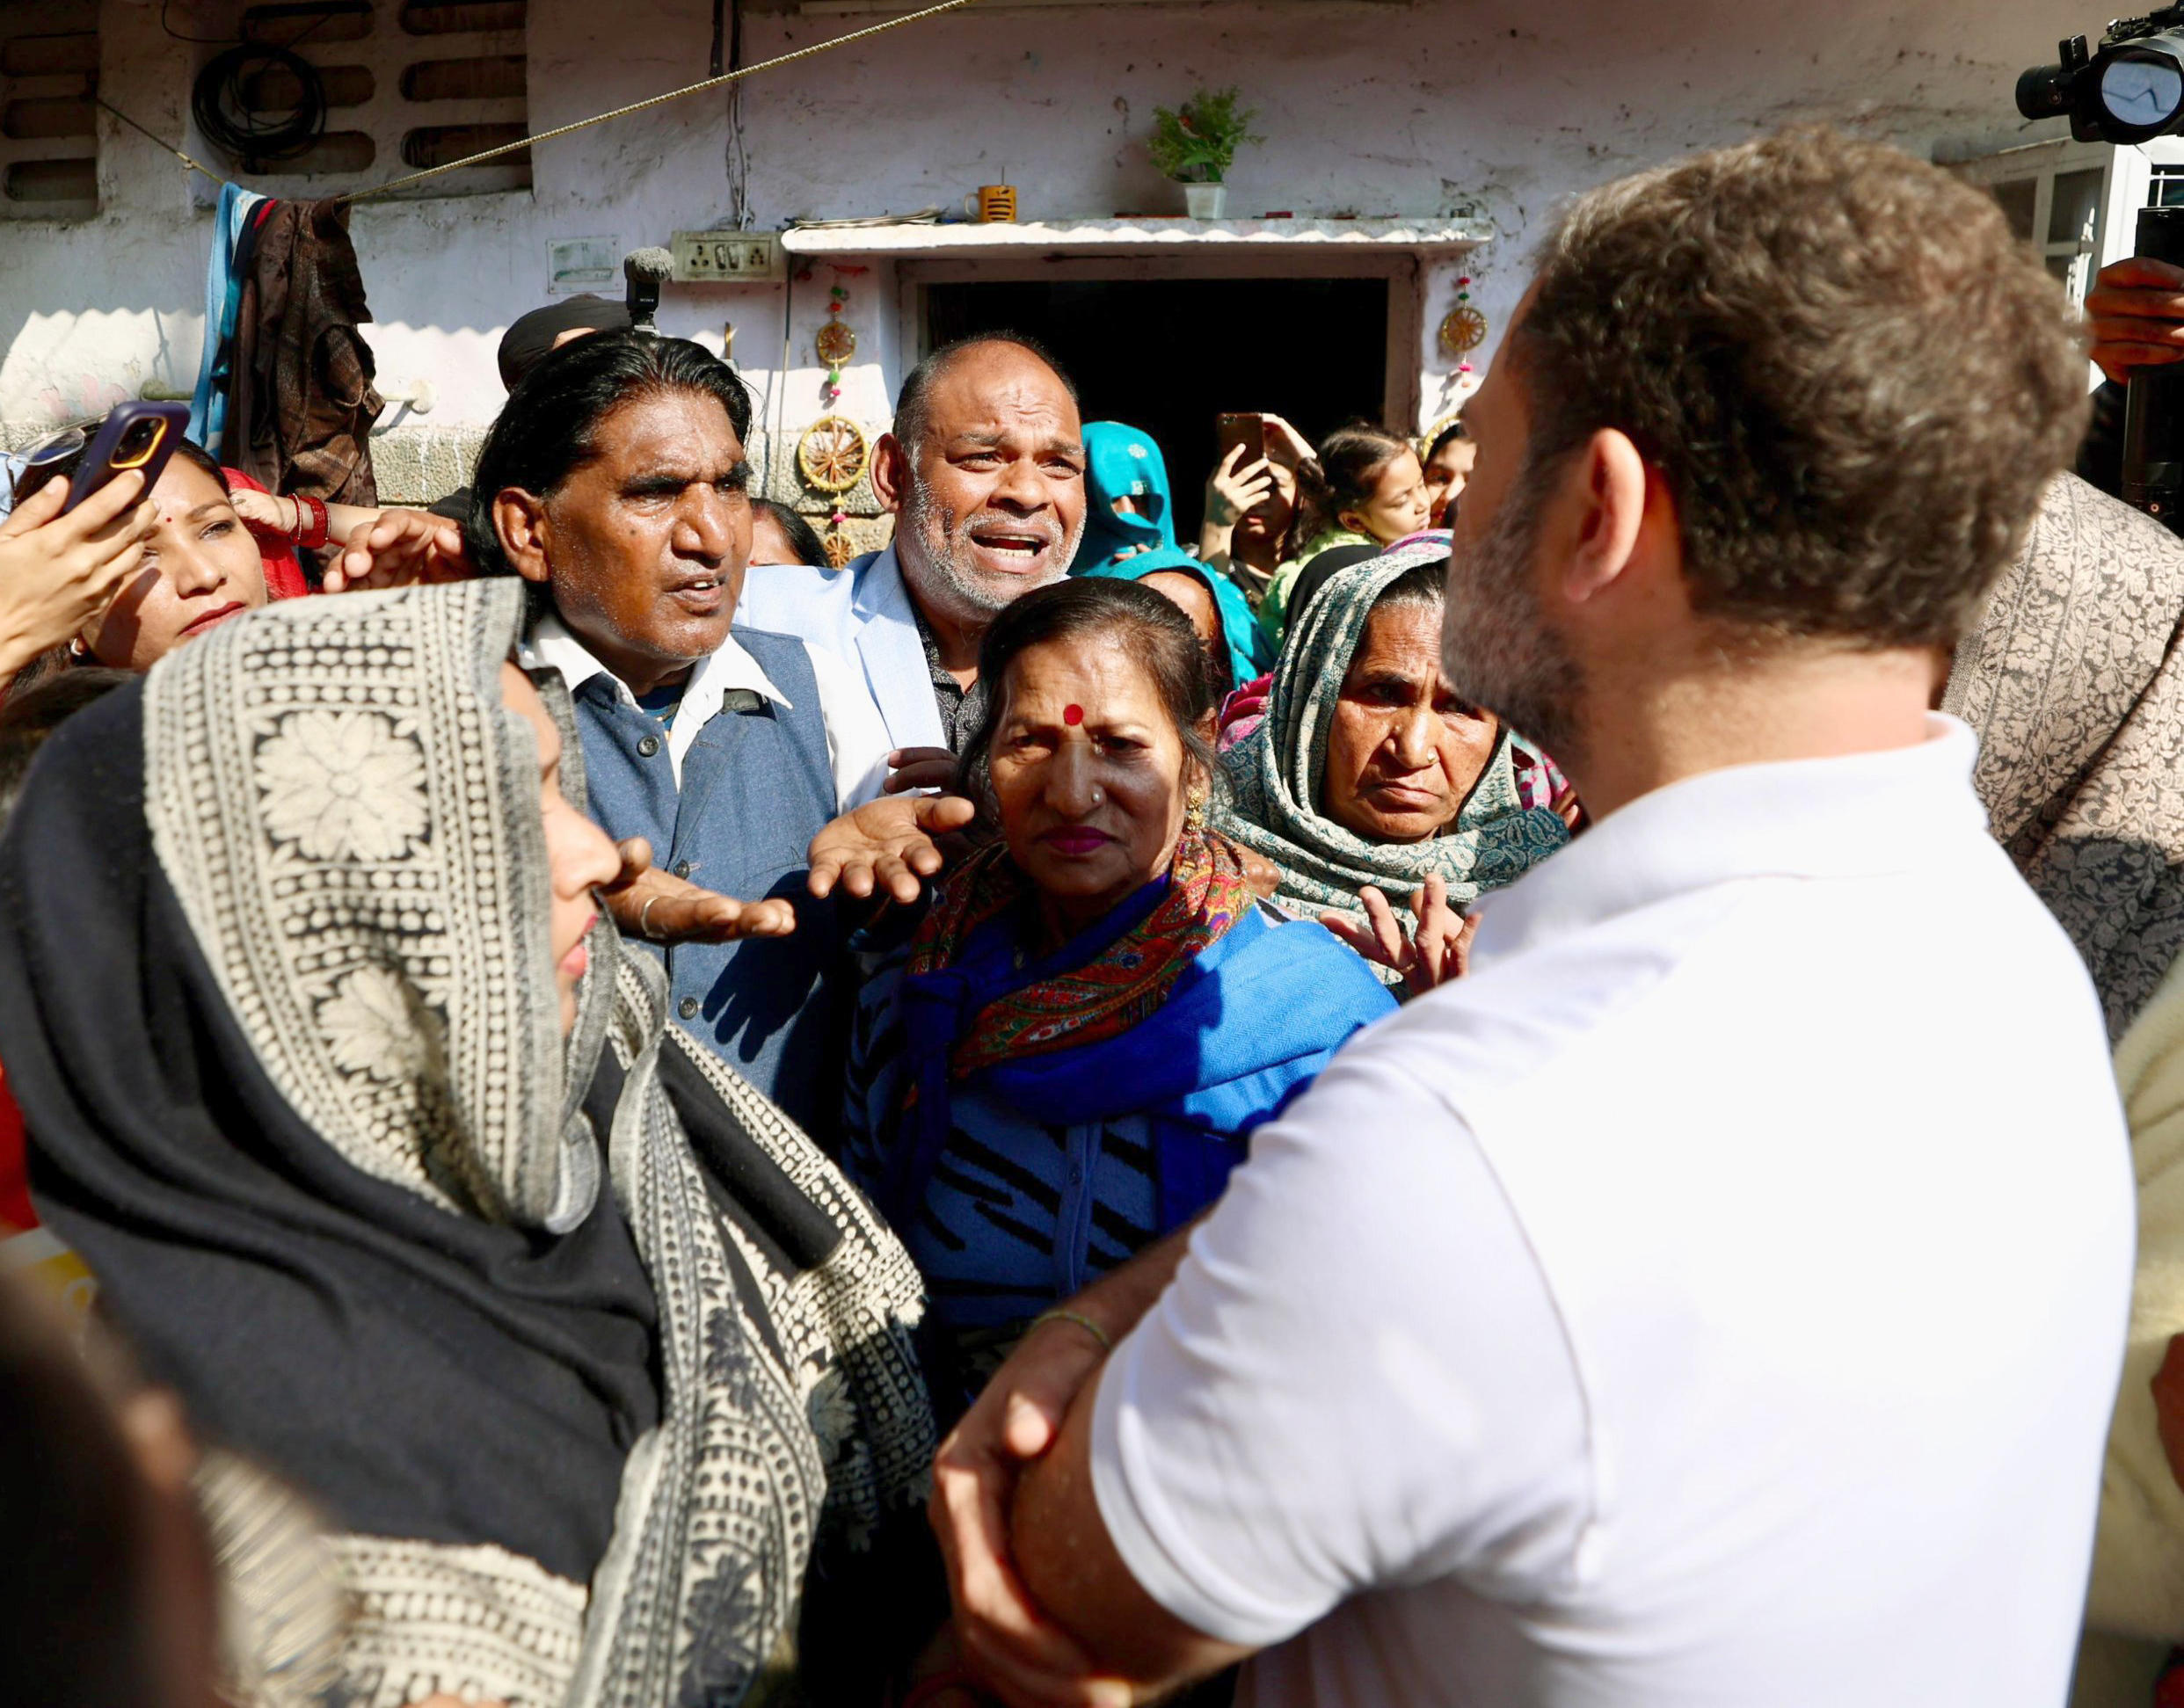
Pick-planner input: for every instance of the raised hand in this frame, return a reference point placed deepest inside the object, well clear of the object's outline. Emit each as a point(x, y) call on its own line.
point(1236, 487)
point(1298, 447)
point(1437, 949)
point(662, 908)
point(2135, 309)
point(889, 843)
point(58, 572)
point(400, 549)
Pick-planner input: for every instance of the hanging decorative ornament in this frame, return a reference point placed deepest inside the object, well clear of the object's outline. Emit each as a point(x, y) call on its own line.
point(832, 454)
point(837, 343)
point(839, 551)
point(1463, 331)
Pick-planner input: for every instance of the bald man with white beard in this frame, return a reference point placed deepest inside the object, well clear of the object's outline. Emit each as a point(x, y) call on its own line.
point(985, 471)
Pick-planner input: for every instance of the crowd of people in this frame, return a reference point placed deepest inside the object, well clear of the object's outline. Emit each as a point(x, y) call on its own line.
point(1514, 1078)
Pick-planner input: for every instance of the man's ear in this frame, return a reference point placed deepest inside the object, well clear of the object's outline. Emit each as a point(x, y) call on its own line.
point(890, 472)
point(1606, 482)
point(520, 520)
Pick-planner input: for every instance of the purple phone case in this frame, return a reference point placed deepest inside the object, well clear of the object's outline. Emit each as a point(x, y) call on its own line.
point(97, 469)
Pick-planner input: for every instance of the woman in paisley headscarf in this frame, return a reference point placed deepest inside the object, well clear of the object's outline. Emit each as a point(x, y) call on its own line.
point(1372, 782)
point(387, 1161)
point(1096, 1012)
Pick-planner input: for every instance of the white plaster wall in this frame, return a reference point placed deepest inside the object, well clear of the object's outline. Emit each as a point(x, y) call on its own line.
point(1368, 111)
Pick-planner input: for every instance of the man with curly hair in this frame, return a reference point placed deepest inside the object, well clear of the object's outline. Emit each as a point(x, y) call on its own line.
point(1718, 1295)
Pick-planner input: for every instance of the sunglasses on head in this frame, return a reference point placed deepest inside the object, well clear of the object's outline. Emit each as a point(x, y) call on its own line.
point(57, 446)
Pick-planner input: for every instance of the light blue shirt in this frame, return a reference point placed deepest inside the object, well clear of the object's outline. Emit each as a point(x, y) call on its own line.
point(863, 616)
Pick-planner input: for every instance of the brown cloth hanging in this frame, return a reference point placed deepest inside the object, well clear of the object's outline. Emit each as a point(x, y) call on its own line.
point(300, 402)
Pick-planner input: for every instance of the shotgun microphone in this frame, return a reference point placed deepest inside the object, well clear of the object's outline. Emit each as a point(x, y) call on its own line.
point(646, 271)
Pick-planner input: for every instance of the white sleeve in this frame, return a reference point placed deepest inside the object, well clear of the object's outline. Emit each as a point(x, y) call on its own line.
point(1357, 1379)
point(857, 736)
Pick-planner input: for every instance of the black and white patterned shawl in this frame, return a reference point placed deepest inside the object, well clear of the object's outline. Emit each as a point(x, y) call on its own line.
point(277, 999)
point(2073, 680)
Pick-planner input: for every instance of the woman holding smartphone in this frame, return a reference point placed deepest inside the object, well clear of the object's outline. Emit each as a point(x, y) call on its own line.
point(195, 565)
point(58, 572)
point(1250, 502)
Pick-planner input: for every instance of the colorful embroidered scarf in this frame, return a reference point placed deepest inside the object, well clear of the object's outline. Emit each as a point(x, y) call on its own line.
point(1182, 1006)
point(1106, 981)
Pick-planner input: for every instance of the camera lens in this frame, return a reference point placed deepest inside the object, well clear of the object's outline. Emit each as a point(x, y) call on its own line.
point(138, 439)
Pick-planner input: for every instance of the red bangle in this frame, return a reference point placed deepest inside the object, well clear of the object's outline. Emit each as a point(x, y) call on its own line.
point(312, 537)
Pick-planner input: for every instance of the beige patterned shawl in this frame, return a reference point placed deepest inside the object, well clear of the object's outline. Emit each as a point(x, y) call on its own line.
point(2073, 683)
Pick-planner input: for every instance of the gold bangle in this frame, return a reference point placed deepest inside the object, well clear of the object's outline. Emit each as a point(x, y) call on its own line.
point(1081, 1320)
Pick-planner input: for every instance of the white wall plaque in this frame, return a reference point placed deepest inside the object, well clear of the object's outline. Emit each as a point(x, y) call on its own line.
point(583, 263)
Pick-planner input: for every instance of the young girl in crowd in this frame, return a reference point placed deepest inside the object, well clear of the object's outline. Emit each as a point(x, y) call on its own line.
point(1448, 471)
point(1366, 487)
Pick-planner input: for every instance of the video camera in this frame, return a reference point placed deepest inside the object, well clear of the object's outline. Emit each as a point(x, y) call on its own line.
point(2131, 90)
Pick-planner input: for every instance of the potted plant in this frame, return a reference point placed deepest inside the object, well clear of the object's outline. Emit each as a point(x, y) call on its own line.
point(1196, 144)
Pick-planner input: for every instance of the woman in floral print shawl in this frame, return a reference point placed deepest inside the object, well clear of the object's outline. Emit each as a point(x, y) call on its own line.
point(597, 1369)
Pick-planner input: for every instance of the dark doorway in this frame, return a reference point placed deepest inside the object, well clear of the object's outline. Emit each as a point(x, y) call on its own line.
point(1169, 355)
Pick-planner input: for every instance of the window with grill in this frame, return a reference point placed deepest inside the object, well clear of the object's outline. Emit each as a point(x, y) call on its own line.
point(406, 86)
point(48, 116)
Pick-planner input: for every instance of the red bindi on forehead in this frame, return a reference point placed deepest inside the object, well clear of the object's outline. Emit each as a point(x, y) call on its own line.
point(1073, 715)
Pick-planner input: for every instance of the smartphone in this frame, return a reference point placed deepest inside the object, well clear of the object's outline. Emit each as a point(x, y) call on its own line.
point(1248, 431)
point(139, 436)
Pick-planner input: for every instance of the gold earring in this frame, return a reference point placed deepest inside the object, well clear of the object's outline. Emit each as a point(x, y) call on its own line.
point(1194, 813)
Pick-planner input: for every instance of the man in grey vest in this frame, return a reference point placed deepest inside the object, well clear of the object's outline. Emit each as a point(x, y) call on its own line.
point(616, 482)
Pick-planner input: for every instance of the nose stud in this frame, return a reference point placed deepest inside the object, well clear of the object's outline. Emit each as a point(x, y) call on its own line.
point(1097, 797)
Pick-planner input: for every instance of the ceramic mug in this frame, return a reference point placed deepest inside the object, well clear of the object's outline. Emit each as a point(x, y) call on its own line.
point(991, 204)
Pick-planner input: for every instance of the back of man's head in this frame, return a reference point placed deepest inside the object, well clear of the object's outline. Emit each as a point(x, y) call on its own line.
point(1853, 379)
point(531, 337)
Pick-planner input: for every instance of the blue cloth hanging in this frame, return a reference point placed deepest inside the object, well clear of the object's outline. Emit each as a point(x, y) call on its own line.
point(223, 300)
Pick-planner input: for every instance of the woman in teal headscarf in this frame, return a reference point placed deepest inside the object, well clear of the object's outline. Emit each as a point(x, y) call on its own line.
point(1129, 535)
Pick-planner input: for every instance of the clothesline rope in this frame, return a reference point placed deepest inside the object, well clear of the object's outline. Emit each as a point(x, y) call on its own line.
point(721, 82)
point(478, 159)
point(162, 140)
